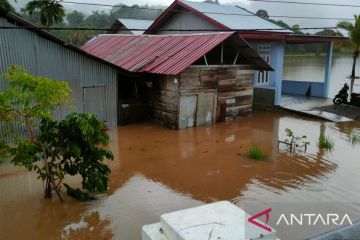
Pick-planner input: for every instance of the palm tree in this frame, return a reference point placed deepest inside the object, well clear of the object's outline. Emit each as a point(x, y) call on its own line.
point(354, 34)
point(51, 11)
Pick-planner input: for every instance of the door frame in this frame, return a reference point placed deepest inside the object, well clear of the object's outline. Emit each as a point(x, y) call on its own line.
point(215, 103)
point(179, 108)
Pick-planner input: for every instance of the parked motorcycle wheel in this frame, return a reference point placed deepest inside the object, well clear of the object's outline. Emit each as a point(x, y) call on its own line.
point(337, 101)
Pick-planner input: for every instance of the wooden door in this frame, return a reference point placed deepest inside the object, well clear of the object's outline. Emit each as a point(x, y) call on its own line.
point(206, 106)
point(187, 111)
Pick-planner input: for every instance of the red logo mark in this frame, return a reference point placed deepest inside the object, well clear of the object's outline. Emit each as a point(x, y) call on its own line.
point(267, 214)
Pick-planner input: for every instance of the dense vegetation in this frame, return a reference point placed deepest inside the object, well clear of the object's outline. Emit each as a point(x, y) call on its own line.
point(96, 20)
point(104, 20)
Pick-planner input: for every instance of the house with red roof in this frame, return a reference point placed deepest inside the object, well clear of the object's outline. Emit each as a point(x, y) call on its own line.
point(181, 80)
point(267, 38)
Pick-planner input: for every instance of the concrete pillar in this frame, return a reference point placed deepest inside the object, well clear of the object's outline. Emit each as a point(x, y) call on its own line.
point(278, 67)
point(329, 56)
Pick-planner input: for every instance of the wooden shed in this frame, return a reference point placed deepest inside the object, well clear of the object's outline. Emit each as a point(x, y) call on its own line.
point(183, 80)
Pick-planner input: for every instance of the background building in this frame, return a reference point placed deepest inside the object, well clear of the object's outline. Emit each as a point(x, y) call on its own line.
point(267, 38)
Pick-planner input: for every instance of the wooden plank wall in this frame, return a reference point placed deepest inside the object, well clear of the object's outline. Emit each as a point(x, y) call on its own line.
point(234, 86)
point(165, 102)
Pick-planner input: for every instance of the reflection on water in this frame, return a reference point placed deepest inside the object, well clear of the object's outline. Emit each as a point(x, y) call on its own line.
point(158, 170)
point(312, 68)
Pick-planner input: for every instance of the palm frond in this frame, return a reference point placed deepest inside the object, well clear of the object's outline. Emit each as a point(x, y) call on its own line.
point(348, 26)
point(51, 11)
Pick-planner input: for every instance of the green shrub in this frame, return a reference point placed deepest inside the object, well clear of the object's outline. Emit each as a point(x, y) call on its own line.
point(325, 143)
point(256, 152)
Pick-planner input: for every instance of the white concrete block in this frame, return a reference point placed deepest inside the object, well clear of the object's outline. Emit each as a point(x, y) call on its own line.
point(220, 221)
point(152, 232)
point(216, 221)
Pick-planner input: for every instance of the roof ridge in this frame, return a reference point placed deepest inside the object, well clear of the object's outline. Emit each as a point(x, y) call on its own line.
point(169, 35)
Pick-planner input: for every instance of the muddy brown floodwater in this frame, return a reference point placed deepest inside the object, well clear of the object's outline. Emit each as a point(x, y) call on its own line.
point(158, 170)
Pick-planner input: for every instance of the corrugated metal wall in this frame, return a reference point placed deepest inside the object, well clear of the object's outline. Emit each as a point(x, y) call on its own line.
point(44, 57)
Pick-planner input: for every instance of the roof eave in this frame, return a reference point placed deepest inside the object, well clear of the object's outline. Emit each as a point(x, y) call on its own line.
point(313, 39)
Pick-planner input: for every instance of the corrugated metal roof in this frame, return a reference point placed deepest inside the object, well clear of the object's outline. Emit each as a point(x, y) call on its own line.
point(163, 54)
point(233, 17)
point(135, 24)
point(227, 17)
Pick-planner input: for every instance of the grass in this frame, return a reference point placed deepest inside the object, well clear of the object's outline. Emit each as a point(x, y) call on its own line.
point(354, 139)
point(325, 143)
point(256, 152)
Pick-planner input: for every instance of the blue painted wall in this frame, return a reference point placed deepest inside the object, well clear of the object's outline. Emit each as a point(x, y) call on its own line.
point(277, 63)
point(314, 89)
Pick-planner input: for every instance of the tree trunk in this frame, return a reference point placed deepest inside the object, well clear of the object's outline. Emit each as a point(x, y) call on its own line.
point(353, 74)
point(48, 188)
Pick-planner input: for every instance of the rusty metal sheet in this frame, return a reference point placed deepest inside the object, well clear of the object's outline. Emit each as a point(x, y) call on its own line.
point(165, 54)
point(162, 54)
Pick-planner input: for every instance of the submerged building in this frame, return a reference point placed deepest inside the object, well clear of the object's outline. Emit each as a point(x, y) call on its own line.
point(181, 80)
point(267, 38)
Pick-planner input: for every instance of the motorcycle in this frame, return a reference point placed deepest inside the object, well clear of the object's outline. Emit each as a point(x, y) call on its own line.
point(342, 97)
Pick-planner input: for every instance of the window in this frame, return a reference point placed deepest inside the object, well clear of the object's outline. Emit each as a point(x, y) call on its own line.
point(264, 48)
point(263, 76)
point(264, 51)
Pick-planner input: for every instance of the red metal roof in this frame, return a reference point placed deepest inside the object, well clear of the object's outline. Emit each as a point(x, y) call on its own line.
point(162, 54)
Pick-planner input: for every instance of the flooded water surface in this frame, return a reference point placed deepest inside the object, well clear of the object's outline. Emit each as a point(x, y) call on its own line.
point(158, 170)
point(312, 69)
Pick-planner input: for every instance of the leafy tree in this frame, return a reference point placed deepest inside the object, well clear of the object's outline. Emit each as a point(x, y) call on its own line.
point(79, 37)
point(329, 32)
point(27, 98)
point(75, 18)
point(6, 6)
point(262, 13)
point(34, 17)
point(99, 20)
point(134, 12)
point(281, 24)
point(296, 29)
point(51, 11)
point(354, 34)
point(52, 148)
